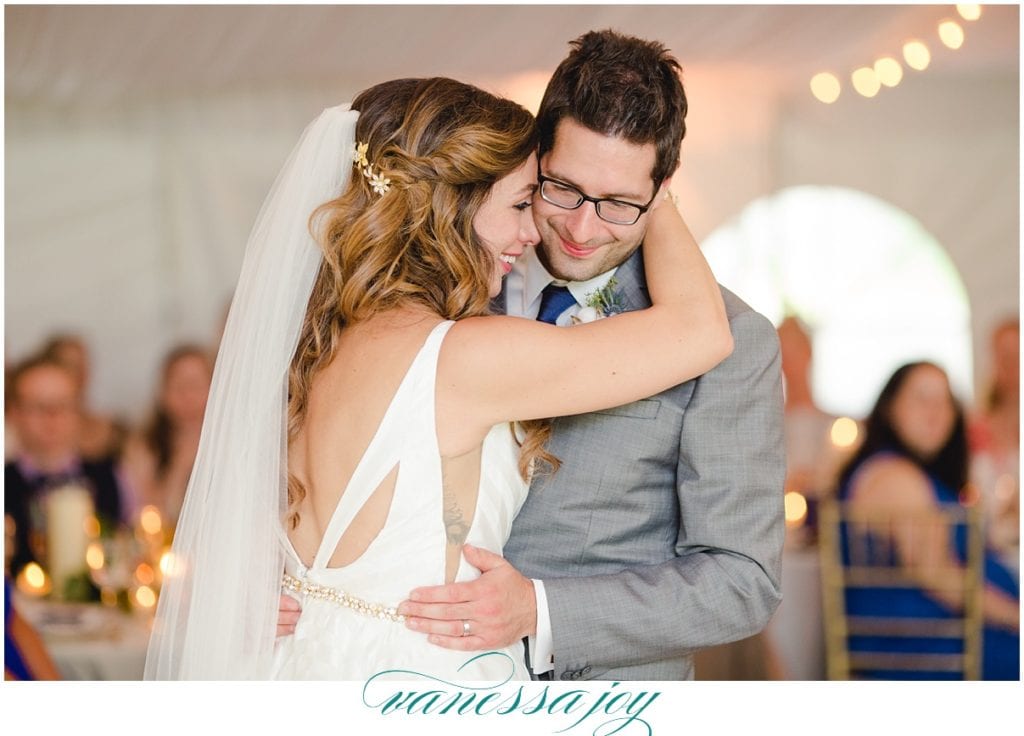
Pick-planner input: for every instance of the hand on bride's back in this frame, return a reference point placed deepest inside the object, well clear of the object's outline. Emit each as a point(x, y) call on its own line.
point(287, 615)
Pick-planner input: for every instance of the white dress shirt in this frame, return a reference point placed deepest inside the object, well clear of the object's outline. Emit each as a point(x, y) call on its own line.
point(523, 290)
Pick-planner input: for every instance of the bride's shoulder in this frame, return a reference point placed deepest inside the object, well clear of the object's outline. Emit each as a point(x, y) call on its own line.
point(487, 330)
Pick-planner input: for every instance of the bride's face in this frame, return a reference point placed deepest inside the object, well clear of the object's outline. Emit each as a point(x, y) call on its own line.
point(505, 223)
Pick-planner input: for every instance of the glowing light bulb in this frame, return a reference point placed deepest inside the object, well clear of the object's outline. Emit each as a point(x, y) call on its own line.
point(844, 432)
point(92, 527)
point(917, 55)
point(969, 11)
point(951, 34)
point(888, 71)
point(825, 87)
point(865, 81)
point(796, 508)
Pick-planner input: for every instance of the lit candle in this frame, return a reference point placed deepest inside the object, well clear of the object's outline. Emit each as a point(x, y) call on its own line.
point(170, 566)
point(796, 509)
point(67, 511)
point(145, 574)
point(145, 597)
point(150, 521)
point(33, 581)
point(94, 556)
point(844, 432)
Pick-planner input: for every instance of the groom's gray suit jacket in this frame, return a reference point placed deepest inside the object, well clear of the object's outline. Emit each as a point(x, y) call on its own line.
point(662, 532)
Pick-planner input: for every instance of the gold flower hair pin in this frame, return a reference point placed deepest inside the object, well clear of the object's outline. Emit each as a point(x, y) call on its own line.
point(378, 182)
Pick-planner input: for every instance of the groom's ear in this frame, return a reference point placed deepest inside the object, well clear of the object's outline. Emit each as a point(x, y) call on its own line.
point(662, 191)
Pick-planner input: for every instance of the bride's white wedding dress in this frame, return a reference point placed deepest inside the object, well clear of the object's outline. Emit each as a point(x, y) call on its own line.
point(348, 629)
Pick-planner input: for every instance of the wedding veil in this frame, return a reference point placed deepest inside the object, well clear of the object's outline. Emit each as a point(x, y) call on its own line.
point(217, 614)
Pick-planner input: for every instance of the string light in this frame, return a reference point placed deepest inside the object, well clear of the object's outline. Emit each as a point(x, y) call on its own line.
point(951, 33)
point(865, 81)
point(825, 87)
point(969, 12)
point(888, 71)
point(917, 56)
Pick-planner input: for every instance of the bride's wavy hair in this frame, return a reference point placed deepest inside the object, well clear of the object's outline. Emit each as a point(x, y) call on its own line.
point(442, 144)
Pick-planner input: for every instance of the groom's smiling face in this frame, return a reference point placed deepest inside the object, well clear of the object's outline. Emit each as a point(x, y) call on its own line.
point(577, 245)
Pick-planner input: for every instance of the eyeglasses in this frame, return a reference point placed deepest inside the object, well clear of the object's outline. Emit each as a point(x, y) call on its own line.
point(569, 197)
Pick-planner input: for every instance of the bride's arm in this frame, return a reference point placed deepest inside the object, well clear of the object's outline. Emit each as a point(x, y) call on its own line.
point(501, 368)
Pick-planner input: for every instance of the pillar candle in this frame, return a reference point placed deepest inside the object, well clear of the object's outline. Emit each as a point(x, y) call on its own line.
point(67, 509)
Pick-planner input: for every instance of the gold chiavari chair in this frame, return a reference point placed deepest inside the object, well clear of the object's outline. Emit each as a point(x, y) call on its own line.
point(887, 556)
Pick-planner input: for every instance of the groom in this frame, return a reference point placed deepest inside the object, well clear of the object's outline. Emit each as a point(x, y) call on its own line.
point(662, 531)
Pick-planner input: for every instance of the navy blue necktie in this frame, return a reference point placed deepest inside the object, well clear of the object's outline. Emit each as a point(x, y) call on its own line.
point(554, 301)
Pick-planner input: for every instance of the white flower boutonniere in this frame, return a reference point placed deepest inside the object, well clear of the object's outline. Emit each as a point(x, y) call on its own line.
point(605, 302)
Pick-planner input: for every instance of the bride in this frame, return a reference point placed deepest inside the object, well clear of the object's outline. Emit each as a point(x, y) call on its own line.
point(358, 432)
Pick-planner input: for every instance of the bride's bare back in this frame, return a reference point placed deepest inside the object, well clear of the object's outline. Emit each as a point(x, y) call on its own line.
point(347, 401)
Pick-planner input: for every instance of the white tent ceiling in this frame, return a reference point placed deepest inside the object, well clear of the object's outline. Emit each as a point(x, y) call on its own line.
point(97, 55)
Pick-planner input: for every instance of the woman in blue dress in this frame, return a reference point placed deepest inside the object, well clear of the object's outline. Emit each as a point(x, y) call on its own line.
point(25, 657)
point(916, 442)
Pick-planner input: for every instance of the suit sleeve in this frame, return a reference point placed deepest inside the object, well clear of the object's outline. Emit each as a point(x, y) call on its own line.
point(724, 582)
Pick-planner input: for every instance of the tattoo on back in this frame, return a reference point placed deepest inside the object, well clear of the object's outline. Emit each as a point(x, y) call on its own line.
point(455, 525)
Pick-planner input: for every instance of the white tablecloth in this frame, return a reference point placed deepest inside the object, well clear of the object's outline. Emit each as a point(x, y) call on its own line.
point(796, 631)
point(90, 641)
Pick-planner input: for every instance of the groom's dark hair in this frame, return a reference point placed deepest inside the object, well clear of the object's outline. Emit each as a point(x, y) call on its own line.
point(620, 86)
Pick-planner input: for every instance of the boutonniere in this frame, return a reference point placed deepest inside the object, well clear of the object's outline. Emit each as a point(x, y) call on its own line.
point(602, 303)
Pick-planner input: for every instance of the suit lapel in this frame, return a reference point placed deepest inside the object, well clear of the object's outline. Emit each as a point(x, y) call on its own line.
point(631, 283)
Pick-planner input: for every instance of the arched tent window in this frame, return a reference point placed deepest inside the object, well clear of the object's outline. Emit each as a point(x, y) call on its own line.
point(874, 286)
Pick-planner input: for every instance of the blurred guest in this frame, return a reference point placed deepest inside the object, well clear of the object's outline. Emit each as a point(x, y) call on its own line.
point(10, 434)
point(99, 436)
point(812, 460)
point(995, 442)
point(158, 461)
point(45, 412)
point(25, 656)
point(914, 458)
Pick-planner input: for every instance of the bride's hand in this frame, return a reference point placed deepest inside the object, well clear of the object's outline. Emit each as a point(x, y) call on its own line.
point(288, 612)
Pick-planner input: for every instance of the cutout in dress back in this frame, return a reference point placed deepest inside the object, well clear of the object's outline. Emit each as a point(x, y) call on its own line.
point(365, 505)
point(366, 524)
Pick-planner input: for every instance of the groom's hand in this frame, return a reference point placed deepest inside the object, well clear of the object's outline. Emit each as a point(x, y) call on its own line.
point(500, 606)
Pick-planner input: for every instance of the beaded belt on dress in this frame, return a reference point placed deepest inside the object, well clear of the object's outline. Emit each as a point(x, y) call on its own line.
point(340, 597)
